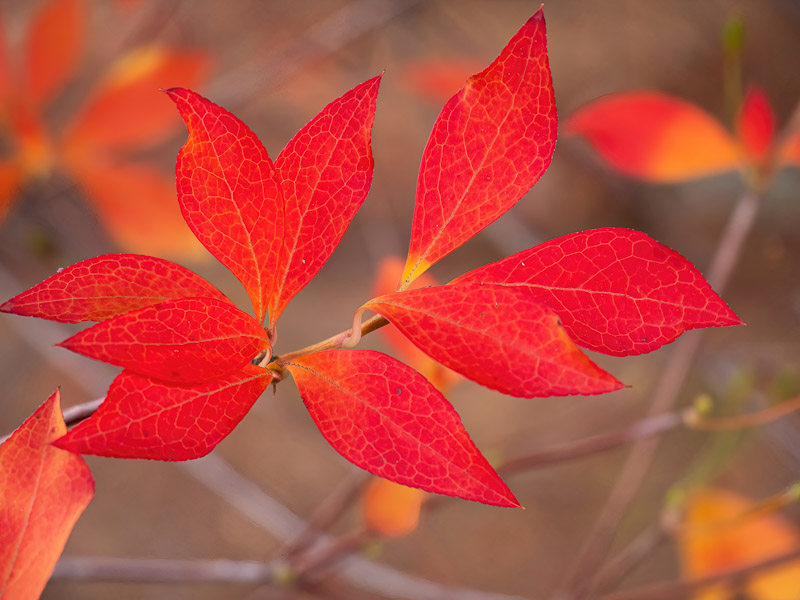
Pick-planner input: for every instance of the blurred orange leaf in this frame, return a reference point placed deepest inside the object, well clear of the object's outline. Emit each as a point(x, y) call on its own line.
point(55, 40)
point(391, 509)
point(656, 137)
point(437, 80)
point(43, 491)
point(124, 111)
point(724, 532)
point(10, 182)
point(136, 203)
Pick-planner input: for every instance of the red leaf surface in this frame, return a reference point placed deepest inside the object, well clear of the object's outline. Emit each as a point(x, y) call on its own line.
point(498, 336)
point(54, 44)
point(230, 194)
point(656, 137)
point(43, 491)
point(325, 173)
point(389, 274)
point(616, 291)
point(384, 417)
point(490, 144)
point(126, 196)
point(125, 109)
point(146, 418)
point(755, 124)
point(187, 340)
point(108, 285)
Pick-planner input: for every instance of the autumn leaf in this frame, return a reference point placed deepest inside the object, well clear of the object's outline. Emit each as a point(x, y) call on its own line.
point(437, 80)
point(656, 137)
point(391, 509)
point(384, 417)
point(53, 47)
point(43, 492)
point(102, 287)
point(490, 144)
point(188, 340)
point(146, 418)
point(387, 279)
point(325, 172)
point(230, 194)
point(495, 335)
point(724, 531)
point(616, 291)
point(123, 112)
point(755, 125)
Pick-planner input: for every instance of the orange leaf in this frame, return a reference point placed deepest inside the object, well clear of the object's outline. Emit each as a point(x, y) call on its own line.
point(53, 47)
point(125, 110)
point(789, 151)
point(656, 137)
point(389, 273)
point(391, 509)
point(43, 491)
point(10, 182)
point(137, 206)
point(725, 531)
point(755, 124)
point(490, 144)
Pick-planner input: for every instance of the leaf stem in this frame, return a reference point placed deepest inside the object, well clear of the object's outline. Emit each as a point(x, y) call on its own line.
point(334, 341)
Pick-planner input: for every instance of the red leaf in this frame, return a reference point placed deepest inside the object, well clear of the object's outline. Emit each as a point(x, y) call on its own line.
point(44, 490)
point(755, 124)
point(389, 274)
point(125, 109)
point(186, 340)
point(109, 285)
point(325, 173)
point(656, 137)
point(616, 291)
point(384, 417)
point(54, 45)
point(230, 195)
point(490, 144)
point(145, 418)
point(497, 336)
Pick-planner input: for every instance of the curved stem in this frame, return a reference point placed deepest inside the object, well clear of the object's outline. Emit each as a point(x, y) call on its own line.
point(334, 341)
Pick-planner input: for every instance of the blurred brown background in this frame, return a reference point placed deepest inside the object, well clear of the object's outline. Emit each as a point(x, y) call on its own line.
point(276, 64)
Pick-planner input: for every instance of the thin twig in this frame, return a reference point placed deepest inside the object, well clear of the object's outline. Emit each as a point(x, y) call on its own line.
point(667, 390)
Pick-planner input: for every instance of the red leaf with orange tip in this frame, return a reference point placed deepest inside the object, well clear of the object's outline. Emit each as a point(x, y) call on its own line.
point(43, 492)
point(755, 124)
point(109, 285)
point(616, 291)
point(384, 417)
point(145, 418)
point(656, 137)
point(54, 44)
point(125, 109)
point(230, 194)
point(497, 336)
point(325, 173)
point(187, 340)
point(490, 144)
point(136, 205)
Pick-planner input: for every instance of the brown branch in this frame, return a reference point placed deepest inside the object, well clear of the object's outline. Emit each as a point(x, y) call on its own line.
point(777, 411)
point(580, 579)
